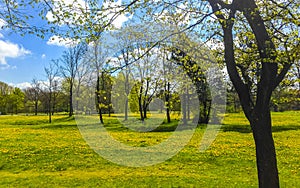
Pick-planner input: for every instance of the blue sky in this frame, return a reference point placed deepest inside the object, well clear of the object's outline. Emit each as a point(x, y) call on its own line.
point(23, 58)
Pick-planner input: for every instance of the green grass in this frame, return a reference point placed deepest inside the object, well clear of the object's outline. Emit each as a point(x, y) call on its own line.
point(34, 153)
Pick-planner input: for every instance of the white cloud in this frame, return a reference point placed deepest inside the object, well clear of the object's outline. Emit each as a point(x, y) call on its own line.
point(180, 17)
point(10, 50)
point(111, 9)
point(75, 9)
point(22, 85)
point(64, 42)
point(44, 84)
point(2, 23)
point(43, 56)
point(79, 9)
point(215, 44)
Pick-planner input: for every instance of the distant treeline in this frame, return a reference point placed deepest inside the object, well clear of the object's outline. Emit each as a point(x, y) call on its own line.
point(35, 99)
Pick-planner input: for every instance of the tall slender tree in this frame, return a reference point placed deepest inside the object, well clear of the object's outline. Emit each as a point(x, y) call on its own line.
point(51, 74)
point(69, 67)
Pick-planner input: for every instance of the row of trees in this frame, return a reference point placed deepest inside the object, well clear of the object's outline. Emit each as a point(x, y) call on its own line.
point(260, 44)
point(135, 86)
point(140, 72)
point(32, 100)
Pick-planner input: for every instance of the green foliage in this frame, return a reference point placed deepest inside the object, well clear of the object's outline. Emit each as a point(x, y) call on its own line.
point(104, 93)
point(11, 99)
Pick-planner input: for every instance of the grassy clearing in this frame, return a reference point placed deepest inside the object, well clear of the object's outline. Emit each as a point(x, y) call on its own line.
point(34, 153)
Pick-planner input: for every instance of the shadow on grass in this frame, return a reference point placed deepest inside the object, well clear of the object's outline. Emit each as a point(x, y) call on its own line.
point(29, 122)
point(59, 123)
point(170, 127)
point(115, 125)
point(285, 128)
point(44, 121)
point(247, 129)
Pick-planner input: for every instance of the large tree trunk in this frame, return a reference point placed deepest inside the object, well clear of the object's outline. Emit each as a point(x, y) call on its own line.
point(265, 151)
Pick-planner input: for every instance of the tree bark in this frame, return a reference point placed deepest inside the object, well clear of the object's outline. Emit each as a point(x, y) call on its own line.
point(99, 108)
point(265, 151)
point(127, 95)
point(141, 109)
point(71, 98)
point(35, 107)
point(258, 112)
point(145, 100)
point(126, 109)
point(167, 98)
point(49, 107)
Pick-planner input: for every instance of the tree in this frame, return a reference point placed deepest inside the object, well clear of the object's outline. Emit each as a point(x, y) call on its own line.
point(258, 64)
point(5, 91)
point(269, 73)
point(125, 37)
point(51, 74)
point(35, 92)
point(71, 60)
point(166, 92)
point(196, 74)
point(146, 78)
point(97, 58)
point(233, 103)
point(16, 100)
point(103, 94)
point(29, 99)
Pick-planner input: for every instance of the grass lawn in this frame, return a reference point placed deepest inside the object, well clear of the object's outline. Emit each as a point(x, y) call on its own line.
point(34, 153)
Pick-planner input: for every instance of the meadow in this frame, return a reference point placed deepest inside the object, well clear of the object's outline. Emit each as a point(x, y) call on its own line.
point(34, 153)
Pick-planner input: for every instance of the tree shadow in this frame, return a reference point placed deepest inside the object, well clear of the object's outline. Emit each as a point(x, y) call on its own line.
point(29, 122)
point(236, 128)
point(285, 128)
point(163, 127)
point(59, 123)
point(247, 128)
